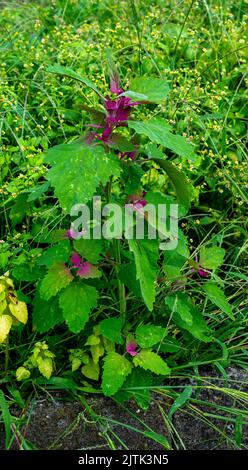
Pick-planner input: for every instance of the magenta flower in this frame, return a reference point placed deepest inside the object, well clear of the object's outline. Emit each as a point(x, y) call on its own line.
point(201, 271)
point(131, 348)
point(131, 155)
point(84, 268)
point(119, 110)
point(117, 113)
point(137, 202)
point(70, 234)
point(115, 85)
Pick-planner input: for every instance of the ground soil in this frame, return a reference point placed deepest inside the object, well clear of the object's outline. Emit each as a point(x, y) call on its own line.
point(56, 422)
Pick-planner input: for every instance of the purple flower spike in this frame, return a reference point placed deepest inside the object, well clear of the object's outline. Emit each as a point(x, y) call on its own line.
point(117, 113)
point(115, 86)
point(131, 348)
point(76, 260)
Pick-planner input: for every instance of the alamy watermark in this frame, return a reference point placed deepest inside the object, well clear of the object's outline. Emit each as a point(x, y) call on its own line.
point(137, 220)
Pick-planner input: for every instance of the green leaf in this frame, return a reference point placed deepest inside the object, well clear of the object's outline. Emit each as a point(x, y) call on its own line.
point(6, 417)
point(179, 303)
point(89, 249)
point(211, 258)
point(149, 335)
point(37, 191)
point(22, 374)
point(45, 366)
point(159, 438)
point(178, 180)
point(170, 345)
point(146, 255)
point(19, 209)
point(91, 370)
point(77, 170)
point(46, 315)
point(159, 132)
point(67, 72)
point(58, 276)
point(127, 275)
point(198, 328)
point(137, 386)
point(115, 370)
point(5, 327)
point(180, 400)
point(111, 329)
point(27, 272)
point(217, 296)
point(4, 258)
point(59, 252)
point(175, 259)
point(77, 301)
point(149, 360)
point(150, 89)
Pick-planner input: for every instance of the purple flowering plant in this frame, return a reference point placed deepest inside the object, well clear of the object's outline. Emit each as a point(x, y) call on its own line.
point(105, 290)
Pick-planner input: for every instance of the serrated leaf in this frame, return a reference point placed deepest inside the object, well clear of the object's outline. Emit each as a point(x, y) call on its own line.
point(97, 351)
point(59, 252)
point(22, 374)
point(77, 170)
point(45, 366)
point(46, 314)
point(111, 329)
point(149, 360)
point(149, 335)
point(91, 370)
point(77, 301)
point(150, 89)
point(211, 258)
point(159, 132)
point(115, 370)
point(89, 249)
point(146, 255)
point(92, 340)
point(217, 296)
point(137, 386)
point(67, 72)
point(57, 278)
point(5, 327)
point(19, 311)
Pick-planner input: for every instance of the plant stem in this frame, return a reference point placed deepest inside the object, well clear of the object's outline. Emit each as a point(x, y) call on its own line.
point(117, 254)
point(121, 287)
point(7, 355)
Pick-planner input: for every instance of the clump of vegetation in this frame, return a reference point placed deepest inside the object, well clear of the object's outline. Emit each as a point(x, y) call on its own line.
point(142, 113)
